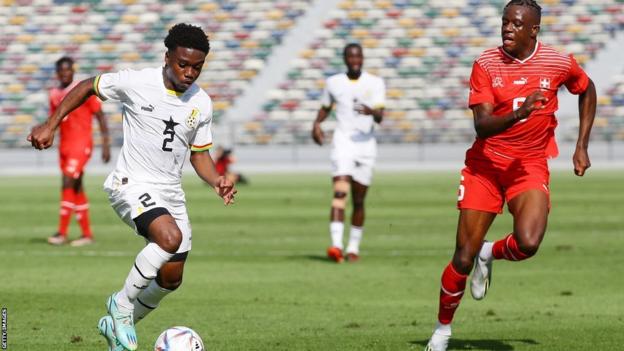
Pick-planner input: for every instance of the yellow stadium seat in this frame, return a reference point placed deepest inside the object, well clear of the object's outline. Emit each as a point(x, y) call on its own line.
point(411, 138)
point(17, 20)
point(24, 119)
point(131, 19)
point(15, 88)
point(307, 53)
point(81, 38)
point(549, 20)
point(285, 24)
point(116, 118)
point(107, 47)
point(28, 68)
point(451, 32)
point(357, 14)
point(450, 12)
point(576, 28)
point(477, 41)
point(25, 38)
point(130, 56)
point(247, 74)
point(415, 32)
point(418, 52)
point(550, 2)
point(601, 122)
point(604, 100)
point(395, 93)
point(250, 44)
point(275, 14)
point(128, 2)
point(208, 7)
point(222, 16)
point(370, 43)
point(253, 126)
point(383, 4)
point(396, 115)
point(221, 105)
point(52, 48)
point(359, 33)
point(407, 22)
point(582, 58)
point(346, 4)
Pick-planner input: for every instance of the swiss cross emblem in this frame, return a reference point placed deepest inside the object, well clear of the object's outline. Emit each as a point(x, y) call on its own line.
point(545, 83)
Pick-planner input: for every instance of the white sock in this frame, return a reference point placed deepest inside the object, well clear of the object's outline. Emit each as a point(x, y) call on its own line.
point(486, 251)
point(336, 230)
point(146, 266)
point(442, 329)
point(354, 239)
point(148, 300)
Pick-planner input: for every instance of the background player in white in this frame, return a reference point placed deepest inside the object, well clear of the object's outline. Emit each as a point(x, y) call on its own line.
point(165, 115)
point(359, 98)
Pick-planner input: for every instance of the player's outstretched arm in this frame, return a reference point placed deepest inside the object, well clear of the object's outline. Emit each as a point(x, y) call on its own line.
point(317, 132)
point(587, 112)
point(487, 125)
point(42, 136)
point(204, 167)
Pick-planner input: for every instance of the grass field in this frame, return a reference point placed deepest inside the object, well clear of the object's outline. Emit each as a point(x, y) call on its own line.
point(257, 278)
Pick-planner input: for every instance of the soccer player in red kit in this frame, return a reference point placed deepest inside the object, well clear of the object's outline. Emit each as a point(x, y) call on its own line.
point(513, 96)
point(76, 143)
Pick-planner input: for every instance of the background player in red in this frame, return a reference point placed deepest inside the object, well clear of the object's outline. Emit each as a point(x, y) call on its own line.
point(513, 96)
point(75, 146)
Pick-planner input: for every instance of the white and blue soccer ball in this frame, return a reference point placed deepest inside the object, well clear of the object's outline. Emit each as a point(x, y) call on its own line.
point(179, 339)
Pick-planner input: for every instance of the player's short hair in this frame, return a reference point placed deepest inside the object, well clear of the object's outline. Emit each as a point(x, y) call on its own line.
point(527, 3)
point(187, 36)
point(349, 47)
point(62, 60)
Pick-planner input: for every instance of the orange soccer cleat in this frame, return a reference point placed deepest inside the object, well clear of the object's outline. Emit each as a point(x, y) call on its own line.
point(335, 254)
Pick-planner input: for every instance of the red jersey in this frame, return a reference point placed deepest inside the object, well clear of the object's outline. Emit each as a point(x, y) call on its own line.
point(505, 82)
point(76, 128)
point(222, 165)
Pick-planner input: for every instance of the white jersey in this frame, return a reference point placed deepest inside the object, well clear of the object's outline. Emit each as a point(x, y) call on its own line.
point(346, 94)
point(159, 125)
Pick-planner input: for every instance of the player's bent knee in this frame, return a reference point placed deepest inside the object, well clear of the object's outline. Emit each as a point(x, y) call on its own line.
point(171, 240)
point(463, 262)
point(170, 284)
point(529, 247)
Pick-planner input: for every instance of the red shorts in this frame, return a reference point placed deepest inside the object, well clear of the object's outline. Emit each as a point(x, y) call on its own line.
point(73, 160)
point(489, 180)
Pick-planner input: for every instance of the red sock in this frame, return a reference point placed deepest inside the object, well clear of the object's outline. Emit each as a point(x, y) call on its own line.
point(82, 214)
point(68, 199)
point(451, 292)
point(507, 249)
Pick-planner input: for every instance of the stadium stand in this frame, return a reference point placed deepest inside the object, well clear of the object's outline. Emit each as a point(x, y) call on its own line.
point(109, 35)
point(423, 50)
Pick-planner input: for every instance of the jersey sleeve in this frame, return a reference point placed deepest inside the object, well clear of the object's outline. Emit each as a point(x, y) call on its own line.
point(202, 140)
point(326, 98)
point(112, 85)
point(480, 87)
point(379, 95)
point(51, 104)
point(577, 79)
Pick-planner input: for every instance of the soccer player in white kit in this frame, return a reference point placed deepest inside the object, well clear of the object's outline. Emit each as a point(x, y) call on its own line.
point(359, 98)
point(164, 115)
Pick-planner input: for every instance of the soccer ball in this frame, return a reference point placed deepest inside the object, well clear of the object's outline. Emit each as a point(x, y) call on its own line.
point(179, 339)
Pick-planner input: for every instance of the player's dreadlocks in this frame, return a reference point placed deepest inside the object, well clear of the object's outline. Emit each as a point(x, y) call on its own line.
point(187, 36)
point(527, 3)
point(62, 60)
point(350, 46)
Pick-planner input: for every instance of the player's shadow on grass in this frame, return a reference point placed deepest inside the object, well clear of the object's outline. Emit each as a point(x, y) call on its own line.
point(38, 240)
point(481, 344)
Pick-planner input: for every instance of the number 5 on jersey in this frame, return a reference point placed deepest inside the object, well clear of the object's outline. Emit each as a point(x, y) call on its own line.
point(517, 102)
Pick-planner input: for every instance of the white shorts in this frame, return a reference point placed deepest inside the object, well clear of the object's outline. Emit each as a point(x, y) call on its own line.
point(354, 158)
point(129, 200)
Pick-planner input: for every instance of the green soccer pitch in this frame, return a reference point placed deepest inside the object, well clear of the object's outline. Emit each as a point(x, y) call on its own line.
point(258, 279)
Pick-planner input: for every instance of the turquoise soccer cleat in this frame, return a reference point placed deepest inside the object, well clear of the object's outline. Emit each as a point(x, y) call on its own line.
point(123, 324)
point(105, 326)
